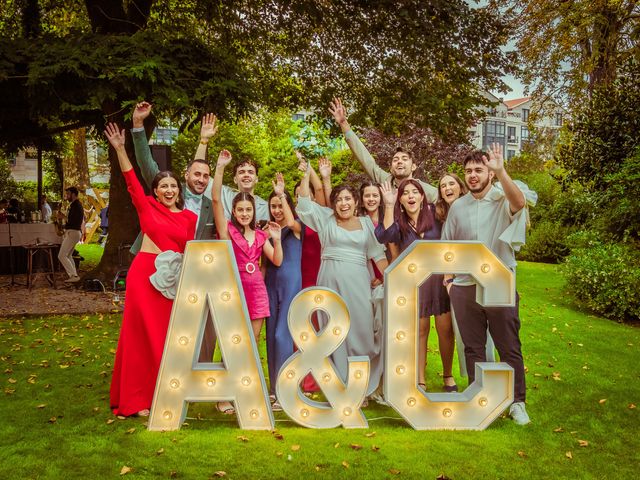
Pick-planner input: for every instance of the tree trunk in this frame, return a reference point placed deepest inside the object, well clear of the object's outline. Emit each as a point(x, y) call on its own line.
point(76, 168)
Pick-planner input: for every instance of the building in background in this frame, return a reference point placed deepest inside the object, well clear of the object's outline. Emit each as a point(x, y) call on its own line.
point(509, 124)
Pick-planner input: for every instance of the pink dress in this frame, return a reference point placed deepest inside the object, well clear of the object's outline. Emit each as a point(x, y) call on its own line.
point(248, 259)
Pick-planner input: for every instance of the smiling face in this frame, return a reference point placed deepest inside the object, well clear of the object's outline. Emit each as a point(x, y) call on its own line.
point(411, 199)
point(477, 177)
point(243, 212)
point(449, 189)
point(167, 192)
point(402, 166)
point(246, 177)
point(275, 207)
point(371, 199)
point(197, 177)
point(345, 205)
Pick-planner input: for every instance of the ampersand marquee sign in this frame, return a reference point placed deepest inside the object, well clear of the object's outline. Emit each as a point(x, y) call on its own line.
point(210, 284)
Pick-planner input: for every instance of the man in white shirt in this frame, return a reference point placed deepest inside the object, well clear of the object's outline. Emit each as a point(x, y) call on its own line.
point(402, 164)
point(498, 219)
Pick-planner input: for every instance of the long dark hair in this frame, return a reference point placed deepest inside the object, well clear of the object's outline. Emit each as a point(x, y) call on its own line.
point(425, 217)
point(168, 174)
point(363, 211)
point(289, 201)
point(337, 190)
point(442, 207)
point(243, 196)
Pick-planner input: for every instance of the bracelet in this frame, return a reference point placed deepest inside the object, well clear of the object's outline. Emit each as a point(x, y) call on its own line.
point(204, 142)
point(447, 281)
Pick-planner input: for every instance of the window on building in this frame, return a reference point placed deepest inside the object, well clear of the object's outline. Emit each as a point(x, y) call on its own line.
point(511, 135)
point(524, 134)
point(558, 119)
point(511, 154)
point(493, 132)
point(525, 114)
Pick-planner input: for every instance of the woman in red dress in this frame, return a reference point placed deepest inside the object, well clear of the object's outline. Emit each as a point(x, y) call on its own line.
point(166, 227)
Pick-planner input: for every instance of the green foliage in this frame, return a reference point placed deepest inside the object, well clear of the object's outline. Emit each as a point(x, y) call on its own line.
point(546, 242)
point(8, 186)
point(604, 276)
point(605, 132)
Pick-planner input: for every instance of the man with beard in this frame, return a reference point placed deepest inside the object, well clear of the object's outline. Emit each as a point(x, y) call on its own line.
point(402, 163)
point(485, 213)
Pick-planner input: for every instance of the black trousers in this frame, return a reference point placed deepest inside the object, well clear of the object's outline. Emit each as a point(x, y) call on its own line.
point(504, 325)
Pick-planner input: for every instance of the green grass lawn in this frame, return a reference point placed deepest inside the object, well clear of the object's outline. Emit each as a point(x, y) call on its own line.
point(582, 375)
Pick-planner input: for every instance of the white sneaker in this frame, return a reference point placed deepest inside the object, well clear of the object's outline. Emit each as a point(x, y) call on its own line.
point(72, 279)
point(379, 399)
point(518, 413)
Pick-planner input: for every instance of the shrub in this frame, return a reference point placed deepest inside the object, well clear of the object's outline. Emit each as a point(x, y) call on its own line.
point(604, 276)
point(546, 242)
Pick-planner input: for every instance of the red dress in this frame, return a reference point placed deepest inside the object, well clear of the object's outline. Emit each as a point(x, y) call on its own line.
point(248, 259)
point(310, 266)
point(147, 311)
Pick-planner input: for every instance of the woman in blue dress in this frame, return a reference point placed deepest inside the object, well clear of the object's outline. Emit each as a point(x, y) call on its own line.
point(283, 282)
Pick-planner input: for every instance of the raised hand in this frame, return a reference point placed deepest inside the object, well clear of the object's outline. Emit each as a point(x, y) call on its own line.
point(209, 127)
point(116, 137)
point(324, 167)
point(278, 184)
point(388, 194)
point(274, 230)
point(303, 166)
point(495, 162)
point(338, 111)
point(142, 111)
point(224, 158)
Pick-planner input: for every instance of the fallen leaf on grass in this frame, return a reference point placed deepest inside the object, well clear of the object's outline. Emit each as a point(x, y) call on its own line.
point(442, 476)
point(53, 420)
point(173, 474)
point(295, 448)
point(42, 405)
point(160, 452)
point(583, 443)
point(279, 454)
point(110, 421)
point(558, 430)
point(242, 438)
point(555, 375)
point(375, 448)
point(336, 445)
point(355, 446)
point(369, 435)
point(522, 454)
point(345, 464)
point(125, 470)
point(602, 400)
point(631, 406)
point(220, 473)
point(131, 430)
point(12, 380)
point(394, 471)
point(569, 455)
point(277, 435)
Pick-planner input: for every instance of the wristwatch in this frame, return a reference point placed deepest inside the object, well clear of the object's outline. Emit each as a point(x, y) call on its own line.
point(447, 281)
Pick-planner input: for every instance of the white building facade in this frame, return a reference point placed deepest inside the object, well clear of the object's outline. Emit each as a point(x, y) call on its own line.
point(509, 123)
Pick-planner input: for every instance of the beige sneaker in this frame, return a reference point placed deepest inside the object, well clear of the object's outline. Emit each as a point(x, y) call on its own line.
point(72, 279)
point(518, 413)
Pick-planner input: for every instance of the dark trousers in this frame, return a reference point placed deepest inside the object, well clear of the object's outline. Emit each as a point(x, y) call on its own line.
point(504, 326)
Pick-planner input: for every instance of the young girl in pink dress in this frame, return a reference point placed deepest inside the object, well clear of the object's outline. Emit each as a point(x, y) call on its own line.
point(248, 244)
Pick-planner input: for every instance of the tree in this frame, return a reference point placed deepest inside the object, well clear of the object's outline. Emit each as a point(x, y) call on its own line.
point(569, 48)
point(76, 64)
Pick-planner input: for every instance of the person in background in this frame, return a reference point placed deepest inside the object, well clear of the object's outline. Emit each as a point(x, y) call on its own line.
point(72, 233)
point(14, 214)
point(45, 209)
point(4, 204)
point(104, 220)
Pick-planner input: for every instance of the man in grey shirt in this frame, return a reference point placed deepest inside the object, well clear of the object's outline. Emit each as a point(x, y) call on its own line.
point(402, 163)
point(497, 218)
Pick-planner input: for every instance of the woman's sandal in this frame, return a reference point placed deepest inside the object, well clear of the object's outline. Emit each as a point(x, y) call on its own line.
point(226, 408)
point(143, 413)
point(449, 388)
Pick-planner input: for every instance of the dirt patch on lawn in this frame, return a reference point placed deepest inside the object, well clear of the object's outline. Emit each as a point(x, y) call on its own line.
point(43, 299)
